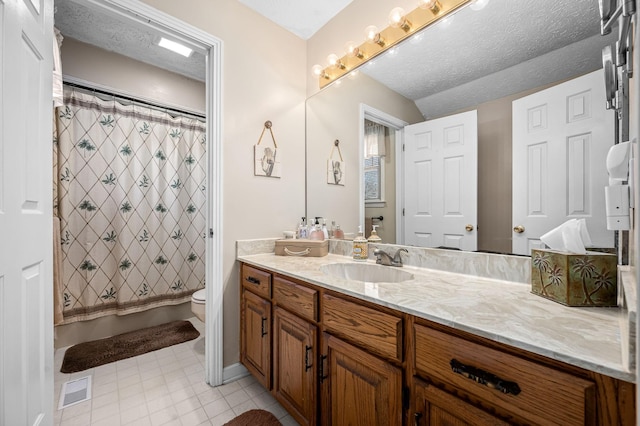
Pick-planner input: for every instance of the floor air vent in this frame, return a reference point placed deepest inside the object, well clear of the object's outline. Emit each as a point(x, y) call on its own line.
point(75, 392)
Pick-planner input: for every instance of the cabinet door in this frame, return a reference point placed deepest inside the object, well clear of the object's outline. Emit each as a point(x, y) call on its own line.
point(294, 365)
point(358, 388)
point(255, 339)
point(435, 407)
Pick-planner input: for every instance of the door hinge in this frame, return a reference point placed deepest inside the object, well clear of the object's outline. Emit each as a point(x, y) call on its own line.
point(403, 211)
point(402, 147)
point(210, 232)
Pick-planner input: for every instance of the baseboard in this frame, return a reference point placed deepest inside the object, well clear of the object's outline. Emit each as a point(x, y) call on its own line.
point(233, 372)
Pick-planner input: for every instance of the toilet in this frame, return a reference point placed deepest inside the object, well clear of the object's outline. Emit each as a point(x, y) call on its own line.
point(197, 304)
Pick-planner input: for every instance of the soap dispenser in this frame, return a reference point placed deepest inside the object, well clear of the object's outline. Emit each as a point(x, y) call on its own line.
point(374, 237)
point(302, 229)
point(360, 251)
point(316, 233)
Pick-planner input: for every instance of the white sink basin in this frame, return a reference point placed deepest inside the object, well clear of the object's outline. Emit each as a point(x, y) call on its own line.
point(366, 272)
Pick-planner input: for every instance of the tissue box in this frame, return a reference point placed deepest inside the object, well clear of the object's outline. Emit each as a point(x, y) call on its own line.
point(302, 247)
point(575, 279)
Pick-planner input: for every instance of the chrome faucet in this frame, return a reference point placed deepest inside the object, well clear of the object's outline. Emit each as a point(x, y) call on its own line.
point(384, 258)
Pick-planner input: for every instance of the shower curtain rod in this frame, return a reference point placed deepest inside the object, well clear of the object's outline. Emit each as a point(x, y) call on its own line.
point(156, 106)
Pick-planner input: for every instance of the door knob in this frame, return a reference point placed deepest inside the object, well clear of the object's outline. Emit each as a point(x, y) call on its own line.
point(469, 228)
point(518, 229)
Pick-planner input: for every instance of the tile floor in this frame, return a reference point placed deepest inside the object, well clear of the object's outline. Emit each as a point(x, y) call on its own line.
point(164, 387)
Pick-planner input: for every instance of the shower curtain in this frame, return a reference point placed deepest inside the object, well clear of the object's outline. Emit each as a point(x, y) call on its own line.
point(130, 195)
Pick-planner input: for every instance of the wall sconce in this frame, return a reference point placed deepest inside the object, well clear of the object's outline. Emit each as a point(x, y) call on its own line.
point(401, 26)
point(397, 19)
point(372, 35)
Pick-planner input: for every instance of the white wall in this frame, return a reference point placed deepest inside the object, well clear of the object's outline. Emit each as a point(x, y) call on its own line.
point(264, 78)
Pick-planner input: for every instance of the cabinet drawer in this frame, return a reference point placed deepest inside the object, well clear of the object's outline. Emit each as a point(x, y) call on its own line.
point(298, 298)
point(530, 392)
point(257, 281)
point(372, 329)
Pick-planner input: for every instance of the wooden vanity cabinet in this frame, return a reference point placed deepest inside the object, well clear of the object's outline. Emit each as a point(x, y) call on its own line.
point(435, 407)
point(255, 336)
point(358, 388)
point(361, 379)
point(453, 370)
point(332, 359)
point(279, 339)
point(295, 349)
point(294, 365)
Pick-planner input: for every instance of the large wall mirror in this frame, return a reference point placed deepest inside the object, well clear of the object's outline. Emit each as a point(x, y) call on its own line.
point(483, 58)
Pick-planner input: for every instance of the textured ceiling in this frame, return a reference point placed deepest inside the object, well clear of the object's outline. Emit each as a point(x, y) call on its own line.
point(303, 18)
point(505, 48)
point(90, 24)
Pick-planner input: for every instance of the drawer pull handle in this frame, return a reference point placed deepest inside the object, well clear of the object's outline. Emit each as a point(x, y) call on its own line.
point(264, 322)
point(253, 280)
point(307, 366)
point(321, 369)
point(484, 378)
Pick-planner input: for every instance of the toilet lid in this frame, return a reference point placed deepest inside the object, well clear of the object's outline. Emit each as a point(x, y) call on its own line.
point(199, 296)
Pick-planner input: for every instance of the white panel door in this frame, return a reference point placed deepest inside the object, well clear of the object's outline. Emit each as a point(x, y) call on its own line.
point(561, 137)
point(440, 178)
point(26, 301)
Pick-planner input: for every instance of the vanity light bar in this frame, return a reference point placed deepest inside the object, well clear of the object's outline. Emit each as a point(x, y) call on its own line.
point(419, 18)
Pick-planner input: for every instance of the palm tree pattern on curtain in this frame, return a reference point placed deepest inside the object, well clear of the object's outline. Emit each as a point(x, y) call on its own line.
point(131, 198)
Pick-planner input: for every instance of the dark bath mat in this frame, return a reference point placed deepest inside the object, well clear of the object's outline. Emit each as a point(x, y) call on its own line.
point(98, 352)
point(254, 418)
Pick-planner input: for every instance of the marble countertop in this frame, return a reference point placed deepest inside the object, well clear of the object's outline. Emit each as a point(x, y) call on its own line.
point(502, 311)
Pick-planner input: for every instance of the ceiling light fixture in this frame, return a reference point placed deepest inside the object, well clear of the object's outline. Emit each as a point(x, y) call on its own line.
point(401, 26)
point(175, 47)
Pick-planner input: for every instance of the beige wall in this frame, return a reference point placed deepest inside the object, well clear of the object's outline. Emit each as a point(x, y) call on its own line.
point(87, 62)
point(334, 114)
point(264, 78)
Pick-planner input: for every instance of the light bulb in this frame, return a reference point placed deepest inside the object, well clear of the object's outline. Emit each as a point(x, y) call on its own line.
point(334, 61)
point(318, 71)
point(396, 16)
point(433, 5)
point(398, 20)
point(372, 35)
point(353, 50)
